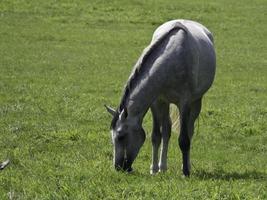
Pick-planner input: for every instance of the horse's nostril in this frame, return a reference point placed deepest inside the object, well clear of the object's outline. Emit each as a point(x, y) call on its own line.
point(120, 138)
point(130, 169)
point(118, 168)
point(127, 166)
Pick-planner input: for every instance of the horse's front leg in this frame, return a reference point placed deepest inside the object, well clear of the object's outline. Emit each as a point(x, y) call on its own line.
point(156, 140)
point(166, 133)
point(161, 131)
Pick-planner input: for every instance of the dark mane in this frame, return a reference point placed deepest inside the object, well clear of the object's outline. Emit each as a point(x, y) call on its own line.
point(138, 68)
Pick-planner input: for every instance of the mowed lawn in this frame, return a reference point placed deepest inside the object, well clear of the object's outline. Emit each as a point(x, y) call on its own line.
point(61, 61)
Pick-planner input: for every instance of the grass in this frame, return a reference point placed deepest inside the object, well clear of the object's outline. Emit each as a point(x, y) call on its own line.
point(61, 61)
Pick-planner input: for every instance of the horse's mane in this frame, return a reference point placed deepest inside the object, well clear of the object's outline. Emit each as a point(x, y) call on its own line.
point(139, 67)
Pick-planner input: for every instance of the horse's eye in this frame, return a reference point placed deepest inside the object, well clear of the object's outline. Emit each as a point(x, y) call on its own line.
point(120, 137)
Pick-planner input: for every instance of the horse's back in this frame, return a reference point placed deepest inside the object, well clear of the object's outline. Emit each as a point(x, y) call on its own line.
point(196, 29)
point(200, 56)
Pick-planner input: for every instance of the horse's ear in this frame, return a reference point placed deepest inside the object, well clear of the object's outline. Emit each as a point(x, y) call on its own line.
point(123, 114)
point(110, 110)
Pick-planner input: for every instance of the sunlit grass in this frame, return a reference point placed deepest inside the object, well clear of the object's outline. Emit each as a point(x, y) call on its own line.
point(61, 61)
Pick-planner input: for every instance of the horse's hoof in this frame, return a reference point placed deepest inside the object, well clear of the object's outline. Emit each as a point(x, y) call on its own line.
point(186, 171)
point(185, 176)
point(162, 168)
point(129, 170)
point(154, 170)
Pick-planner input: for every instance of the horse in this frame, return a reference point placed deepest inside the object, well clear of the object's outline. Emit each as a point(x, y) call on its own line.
point(178, 67)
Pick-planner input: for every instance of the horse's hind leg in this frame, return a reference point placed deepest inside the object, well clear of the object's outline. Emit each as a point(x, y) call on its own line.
point(161, 131)
point(188, 115)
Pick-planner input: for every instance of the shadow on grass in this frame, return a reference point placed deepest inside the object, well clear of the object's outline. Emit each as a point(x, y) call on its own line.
point(223, 175)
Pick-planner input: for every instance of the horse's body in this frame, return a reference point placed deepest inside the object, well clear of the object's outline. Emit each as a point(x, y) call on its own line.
point(177, 67)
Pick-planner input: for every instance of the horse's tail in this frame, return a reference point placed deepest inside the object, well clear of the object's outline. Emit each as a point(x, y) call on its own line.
point(175, 118)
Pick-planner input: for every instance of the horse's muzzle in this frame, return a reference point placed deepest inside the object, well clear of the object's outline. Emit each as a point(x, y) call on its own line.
point(124, 165)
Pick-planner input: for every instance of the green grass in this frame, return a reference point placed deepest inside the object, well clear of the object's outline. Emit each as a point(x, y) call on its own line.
point(61, 61)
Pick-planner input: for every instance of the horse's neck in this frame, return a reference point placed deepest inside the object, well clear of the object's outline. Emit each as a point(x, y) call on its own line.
point(143, 95)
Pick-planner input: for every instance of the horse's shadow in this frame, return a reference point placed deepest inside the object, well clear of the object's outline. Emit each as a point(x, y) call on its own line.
point(217, 174)
point(223, 175)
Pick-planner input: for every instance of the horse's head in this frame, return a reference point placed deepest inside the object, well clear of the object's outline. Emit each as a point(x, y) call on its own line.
point(127, 136)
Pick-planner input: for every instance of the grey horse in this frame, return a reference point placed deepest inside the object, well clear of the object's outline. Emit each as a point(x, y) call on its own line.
point(177, 67)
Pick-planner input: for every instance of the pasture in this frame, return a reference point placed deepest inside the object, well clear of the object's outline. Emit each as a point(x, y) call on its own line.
point(61, 61)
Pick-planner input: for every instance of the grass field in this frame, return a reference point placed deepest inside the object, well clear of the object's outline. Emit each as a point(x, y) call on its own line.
point(61, 61)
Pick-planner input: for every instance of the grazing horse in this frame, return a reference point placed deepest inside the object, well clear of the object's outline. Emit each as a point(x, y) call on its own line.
point(177, 67)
